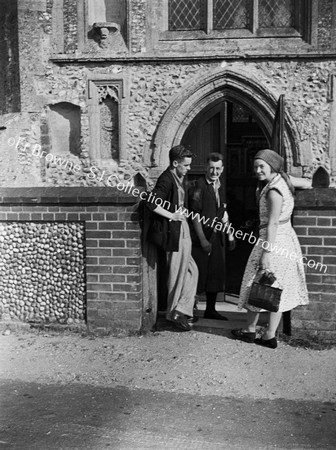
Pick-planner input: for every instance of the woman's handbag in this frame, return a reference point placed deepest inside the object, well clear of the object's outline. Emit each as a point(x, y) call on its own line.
point(264, 295)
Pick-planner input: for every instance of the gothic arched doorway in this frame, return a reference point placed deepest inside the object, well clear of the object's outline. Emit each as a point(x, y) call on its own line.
point(232, 130)
point(214, 102)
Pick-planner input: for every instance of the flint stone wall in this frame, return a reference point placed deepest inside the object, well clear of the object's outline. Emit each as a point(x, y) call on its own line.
point(102, 252)
point(42, 271)
point(152, 88)
point(49, 27)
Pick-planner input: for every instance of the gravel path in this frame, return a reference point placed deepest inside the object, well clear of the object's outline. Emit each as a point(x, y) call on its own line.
point(199, 361)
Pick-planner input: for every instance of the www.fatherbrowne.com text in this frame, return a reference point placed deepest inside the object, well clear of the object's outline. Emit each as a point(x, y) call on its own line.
point(219, 226)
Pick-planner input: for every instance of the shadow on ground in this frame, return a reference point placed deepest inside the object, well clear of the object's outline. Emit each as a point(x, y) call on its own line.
point(76, 416)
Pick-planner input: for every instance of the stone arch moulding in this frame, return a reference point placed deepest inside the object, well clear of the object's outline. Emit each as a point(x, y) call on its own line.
point(232, 84)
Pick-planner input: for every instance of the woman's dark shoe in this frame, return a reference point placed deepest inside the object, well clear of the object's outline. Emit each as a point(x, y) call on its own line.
point(270, 343)
point(244, 335)
point(214, 315)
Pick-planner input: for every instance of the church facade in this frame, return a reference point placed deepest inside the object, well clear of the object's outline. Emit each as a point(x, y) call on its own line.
point(93, 94)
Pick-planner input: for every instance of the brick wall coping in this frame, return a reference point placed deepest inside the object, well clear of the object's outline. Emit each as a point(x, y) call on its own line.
point(67, 195)
point(317, 198)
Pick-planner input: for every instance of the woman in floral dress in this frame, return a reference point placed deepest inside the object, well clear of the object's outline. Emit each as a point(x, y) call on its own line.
point(277, 250)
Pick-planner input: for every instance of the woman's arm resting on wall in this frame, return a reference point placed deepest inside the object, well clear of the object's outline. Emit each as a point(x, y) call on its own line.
point(301, 183)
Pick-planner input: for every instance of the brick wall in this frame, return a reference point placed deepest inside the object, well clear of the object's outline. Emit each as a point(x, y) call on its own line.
point(112, 245)
point(315, 224)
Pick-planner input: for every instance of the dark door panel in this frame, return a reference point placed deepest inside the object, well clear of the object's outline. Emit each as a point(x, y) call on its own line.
point(231, 130)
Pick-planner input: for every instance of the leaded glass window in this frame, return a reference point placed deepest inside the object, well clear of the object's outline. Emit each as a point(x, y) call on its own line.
point(237, 18)
point(186, 15)
point(231, 14)
point(276, 14)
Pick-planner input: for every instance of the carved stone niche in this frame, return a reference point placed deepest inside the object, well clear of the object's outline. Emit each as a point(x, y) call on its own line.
point(65, 128)
point(108, 36)
point(107, 107)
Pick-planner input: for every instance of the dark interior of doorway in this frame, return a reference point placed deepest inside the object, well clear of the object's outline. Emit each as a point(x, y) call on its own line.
point(231, 129)
point(244, 138)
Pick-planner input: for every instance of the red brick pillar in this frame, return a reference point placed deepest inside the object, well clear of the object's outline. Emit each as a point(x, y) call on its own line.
point(114, 269)
point(315, 225)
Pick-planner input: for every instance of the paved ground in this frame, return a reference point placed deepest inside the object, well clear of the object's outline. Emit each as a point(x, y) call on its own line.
point(165, 390)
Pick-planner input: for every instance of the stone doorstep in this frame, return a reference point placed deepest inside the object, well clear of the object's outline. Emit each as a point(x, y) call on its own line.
point(227, 308)
point(235, 320)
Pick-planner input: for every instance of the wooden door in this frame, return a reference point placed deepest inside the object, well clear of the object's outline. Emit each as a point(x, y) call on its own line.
point(207, 134)
point(231, 130)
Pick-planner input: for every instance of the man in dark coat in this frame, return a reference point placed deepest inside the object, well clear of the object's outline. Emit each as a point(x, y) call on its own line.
point(170, 231)
point(206, 199)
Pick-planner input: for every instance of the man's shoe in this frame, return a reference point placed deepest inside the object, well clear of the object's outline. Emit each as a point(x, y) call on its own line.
point(214, 315)
point(270, 343)
point(180, 321)
point(244, 336)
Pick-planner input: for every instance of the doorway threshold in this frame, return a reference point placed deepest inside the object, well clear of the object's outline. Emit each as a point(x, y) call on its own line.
point(229, 304)
point(227, 308)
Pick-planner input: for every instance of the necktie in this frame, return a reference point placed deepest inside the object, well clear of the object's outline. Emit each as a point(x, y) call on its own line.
point(215, 187)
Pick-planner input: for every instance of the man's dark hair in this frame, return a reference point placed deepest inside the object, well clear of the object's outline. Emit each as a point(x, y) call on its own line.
point(214, 157)
point(179, 152)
